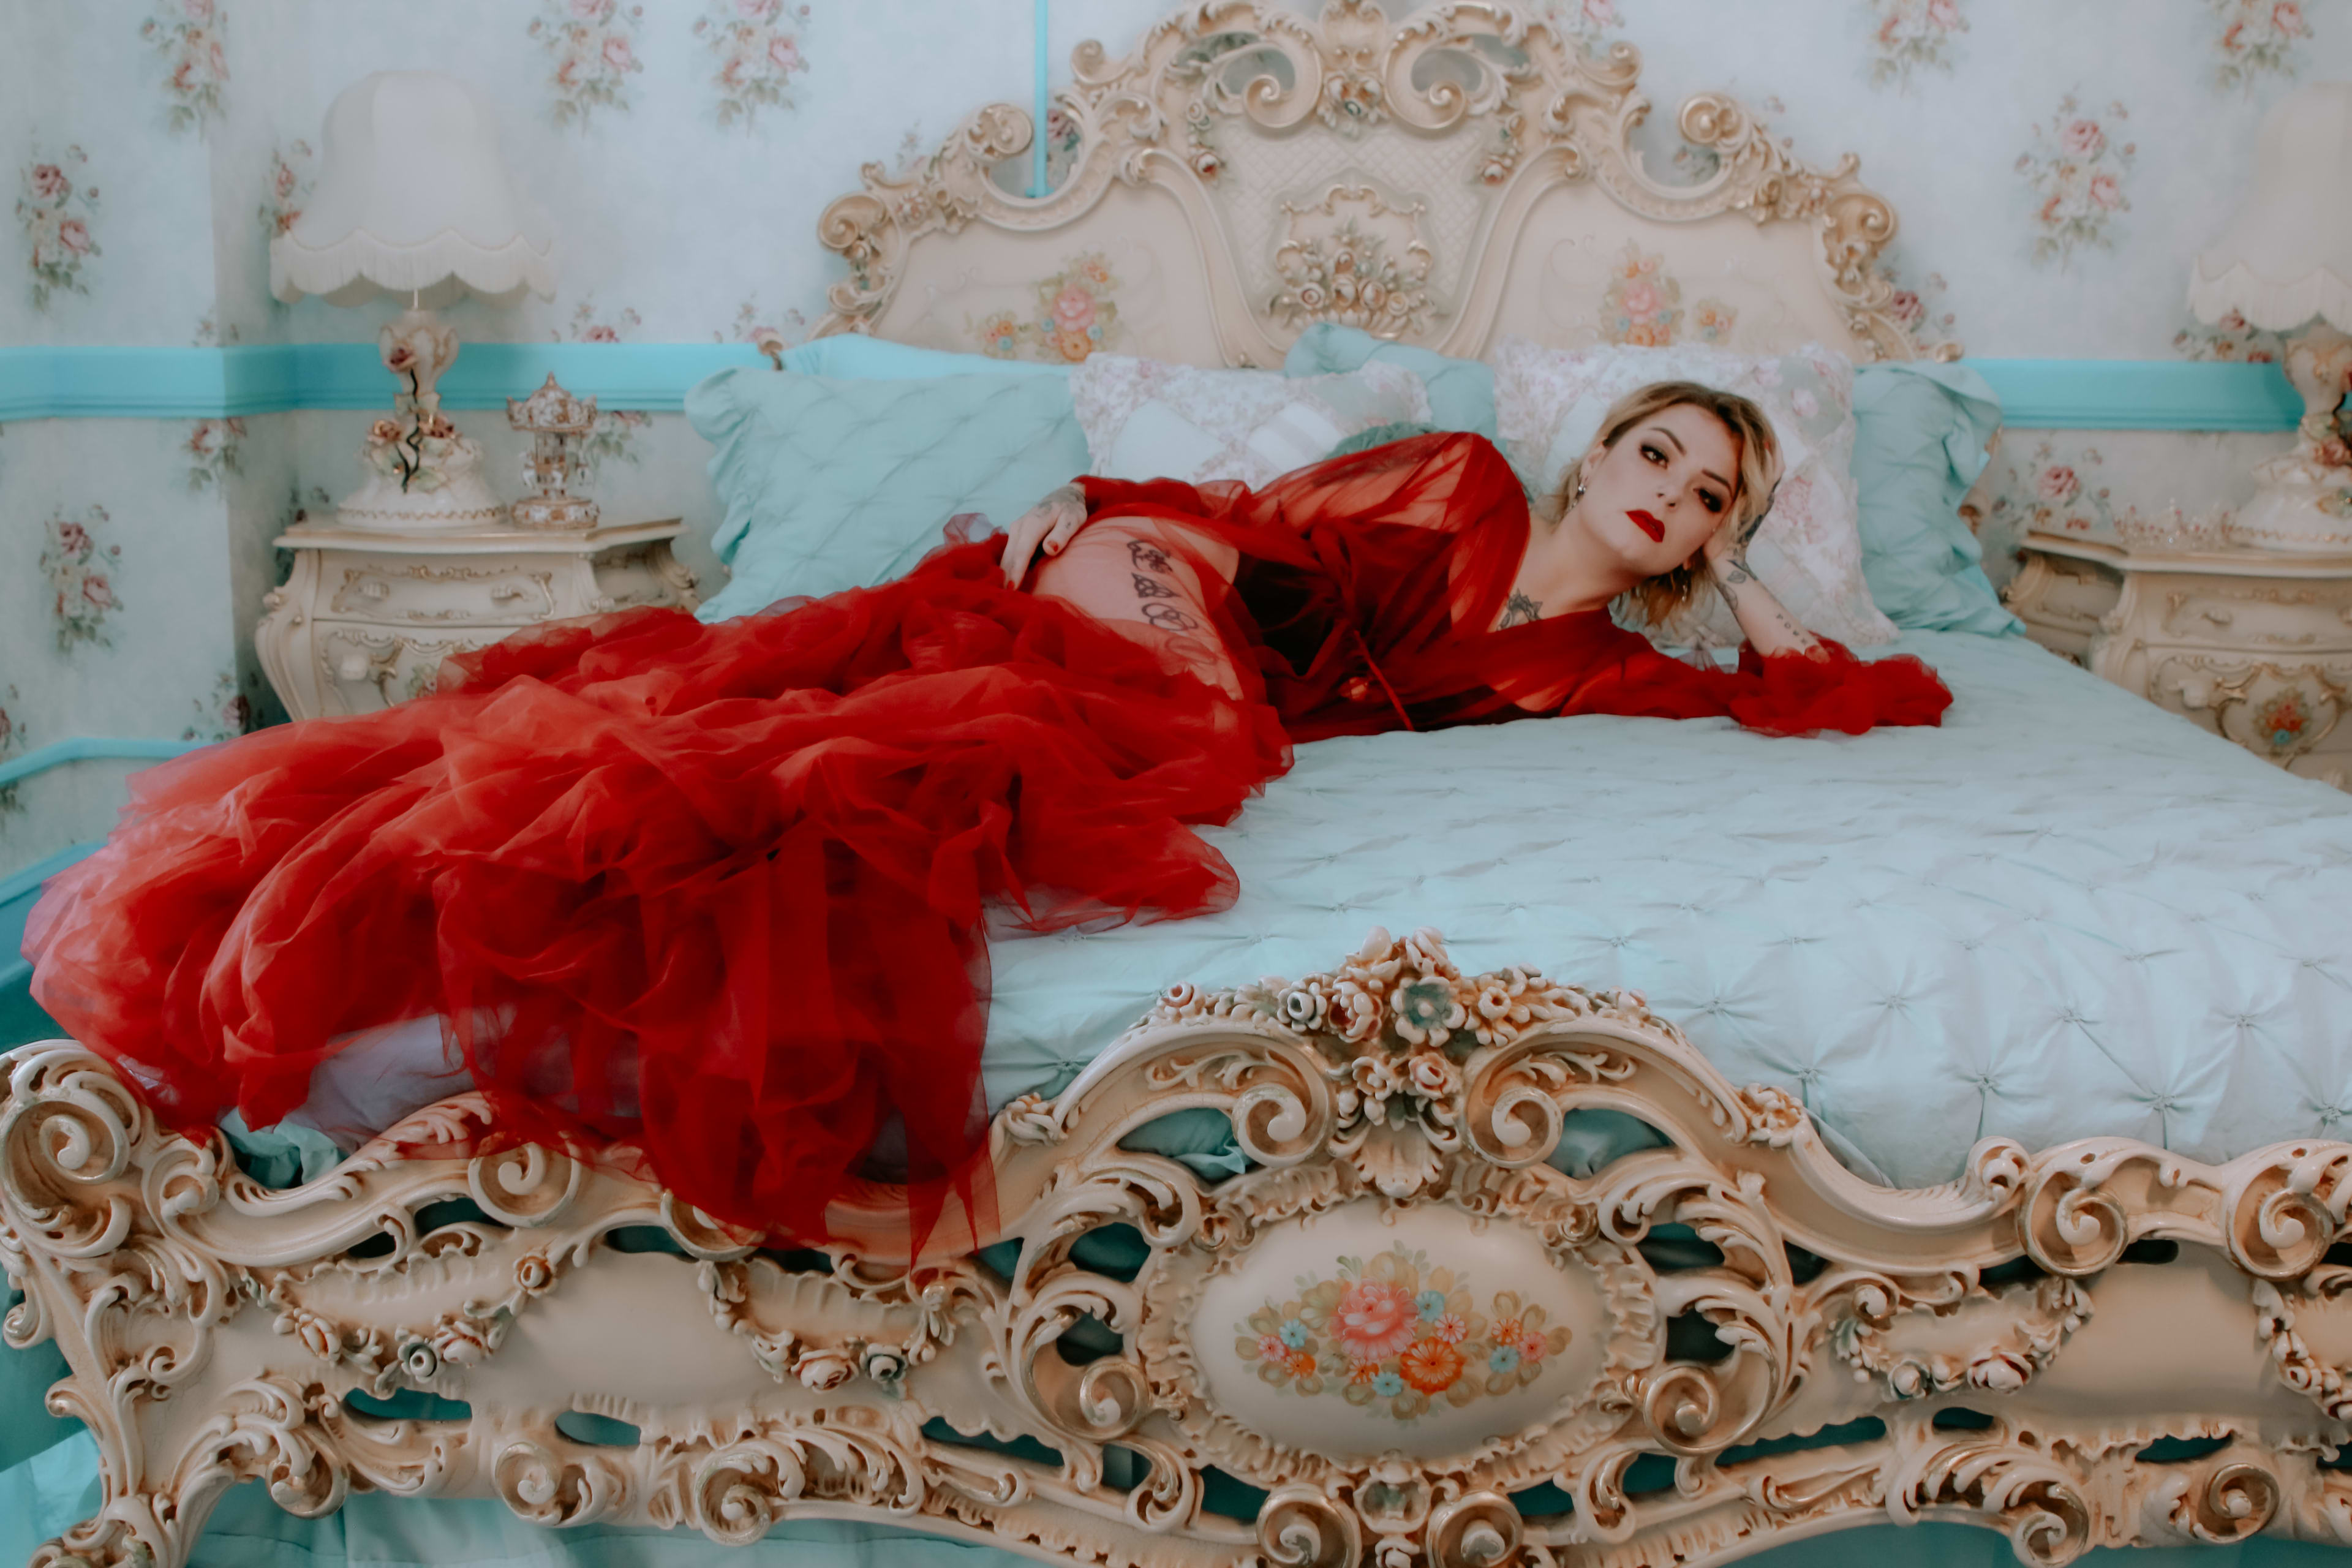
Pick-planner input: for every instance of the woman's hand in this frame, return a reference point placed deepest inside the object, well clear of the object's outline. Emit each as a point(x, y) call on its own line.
point(1053, 522)
point(1727, 546)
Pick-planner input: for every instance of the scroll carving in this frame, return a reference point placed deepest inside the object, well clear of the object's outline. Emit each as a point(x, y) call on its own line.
point(1396, 1321)
point(1531, 111)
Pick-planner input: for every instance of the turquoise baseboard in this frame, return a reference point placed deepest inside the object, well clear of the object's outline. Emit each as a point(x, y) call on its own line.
point(75, 382)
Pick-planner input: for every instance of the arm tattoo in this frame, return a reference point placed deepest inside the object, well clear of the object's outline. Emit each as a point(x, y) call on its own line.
point(1519, 609)
point(1152, 587)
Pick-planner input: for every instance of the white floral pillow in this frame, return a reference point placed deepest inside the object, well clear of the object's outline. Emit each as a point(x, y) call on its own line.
point(1549, 405)
point(1145, 419)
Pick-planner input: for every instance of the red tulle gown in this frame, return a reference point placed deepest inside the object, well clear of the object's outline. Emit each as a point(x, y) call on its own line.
point(719, 889)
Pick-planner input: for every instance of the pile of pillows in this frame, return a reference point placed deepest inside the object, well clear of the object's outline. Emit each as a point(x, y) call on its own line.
point(842, 469)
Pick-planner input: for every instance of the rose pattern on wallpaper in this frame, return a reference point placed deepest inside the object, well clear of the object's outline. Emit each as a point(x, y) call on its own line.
point(15, 739)
point(2076, 169)
point(56, 211)
point(770, 337)
point(1075, 316)
point(616, 429)
point(188, 35)
point(2255, 39)
point(1914, 310)
point(81, 575)
point(1062, 142)
point(757, 44)
point(215, 449)
point(2046, 492)
point(2230, 338)
point(1643, 306)
point(1589, 22)
point(589, 43)
point(1911, 36)
point(223, 716)
point(286, 191)
point(1397, 1334)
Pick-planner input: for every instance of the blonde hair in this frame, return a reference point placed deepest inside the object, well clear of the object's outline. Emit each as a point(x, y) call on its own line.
point(1759, 473)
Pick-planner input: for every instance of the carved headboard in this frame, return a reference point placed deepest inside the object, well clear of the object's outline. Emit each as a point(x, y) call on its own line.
point(1440, 181)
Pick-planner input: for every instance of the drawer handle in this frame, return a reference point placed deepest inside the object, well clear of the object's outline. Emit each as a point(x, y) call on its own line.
point(351, 666)
point(2219, 617)
point(503, 592)
point(376, 588)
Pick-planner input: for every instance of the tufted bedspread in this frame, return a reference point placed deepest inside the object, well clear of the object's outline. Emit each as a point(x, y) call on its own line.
point(2065, 913)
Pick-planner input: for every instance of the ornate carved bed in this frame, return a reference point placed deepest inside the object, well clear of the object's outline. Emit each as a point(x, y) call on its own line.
point(1698, 1350)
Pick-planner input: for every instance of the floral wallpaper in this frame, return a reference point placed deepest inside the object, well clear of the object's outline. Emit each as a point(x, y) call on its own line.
point(589, 45)
point(2054, 168)
point(2076, 167)
point(57, 211)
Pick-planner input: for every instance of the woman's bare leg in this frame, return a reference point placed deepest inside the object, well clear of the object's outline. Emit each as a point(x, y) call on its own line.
point(1142, 577)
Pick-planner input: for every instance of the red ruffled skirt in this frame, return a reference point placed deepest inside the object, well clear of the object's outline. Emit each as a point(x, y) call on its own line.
point(715, 888)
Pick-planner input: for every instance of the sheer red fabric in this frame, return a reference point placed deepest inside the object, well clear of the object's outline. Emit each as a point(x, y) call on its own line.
point(719, 889)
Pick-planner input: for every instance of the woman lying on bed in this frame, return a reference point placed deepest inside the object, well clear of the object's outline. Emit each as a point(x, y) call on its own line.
point(719, 889)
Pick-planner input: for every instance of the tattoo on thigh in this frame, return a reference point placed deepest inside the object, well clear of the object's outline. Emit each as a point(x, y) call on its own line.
point(1147, 557)
point(1519, 609)
point(1152, 588)
point(1168, 618)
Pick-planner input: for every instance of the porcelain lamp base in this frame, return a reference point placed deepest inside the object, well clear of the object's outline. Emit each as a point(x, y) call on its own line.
point(462, 501)
point(421, 474)
point(2299, 505)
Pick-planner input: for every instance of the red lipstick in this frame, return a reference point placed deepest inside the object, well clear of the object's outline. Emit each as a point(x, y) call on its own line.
point(1648, 524)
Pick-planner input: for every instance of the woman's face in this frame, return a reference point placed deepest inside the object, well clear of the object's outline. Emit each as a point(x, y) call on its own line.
point(1667, 484)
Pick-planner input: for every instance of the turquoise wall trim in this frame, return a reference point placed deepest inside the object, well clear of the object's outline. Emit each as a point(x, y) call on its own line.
point(2140, 395)
point(75, 382)
point(79, 381)
point(90, 747)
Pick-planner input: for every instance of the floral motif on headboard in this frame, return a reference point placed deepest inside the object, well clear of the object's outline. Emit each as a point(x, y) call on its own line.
point(1644, 306)
point(1074, 317)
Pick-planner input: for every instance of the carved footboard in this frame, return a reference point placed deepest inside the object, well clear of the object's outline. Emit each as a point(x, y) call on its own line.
point(1400, 1337)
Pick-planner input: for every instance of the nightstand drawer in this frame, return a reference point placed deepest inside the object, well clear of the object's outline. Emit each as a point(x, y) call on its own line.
point(2292, 619)
point(366, 617)
point(403, 591)
point(2254, 647)
point(367, 666)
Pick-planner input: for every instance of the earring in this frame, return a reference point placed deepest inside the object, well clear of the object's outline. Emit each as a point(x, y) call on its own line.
point(1580, 493)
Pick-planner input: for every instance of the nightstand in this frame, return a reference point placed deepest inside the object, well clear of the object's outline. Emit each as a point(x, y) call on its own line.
point(2255, 646)
point(367, 617)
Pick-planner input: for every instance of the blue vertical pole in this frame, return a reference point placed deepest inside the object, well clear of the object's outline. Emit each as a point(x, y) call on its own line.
point(1037, 143)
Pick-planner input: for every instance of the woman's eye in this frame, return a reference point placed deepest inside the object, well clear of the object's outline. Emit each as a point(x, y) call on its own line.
point(1654, 455)
point(1712, 502)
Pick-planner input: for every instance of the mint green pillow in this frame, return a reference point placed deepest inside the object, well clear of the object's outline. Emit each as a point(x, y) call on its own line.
point(1461, 391)
point(1920, 431)
point(831, 483)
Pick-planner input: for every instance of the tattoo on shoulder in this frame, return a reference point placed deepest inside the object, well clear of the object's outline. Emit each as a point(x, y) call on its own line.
point(1519, 610)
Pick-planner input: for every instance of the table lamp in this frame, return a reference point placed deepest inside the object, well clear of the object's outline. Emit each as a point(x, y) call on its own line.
point(2284, 263)
point(413, 200)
